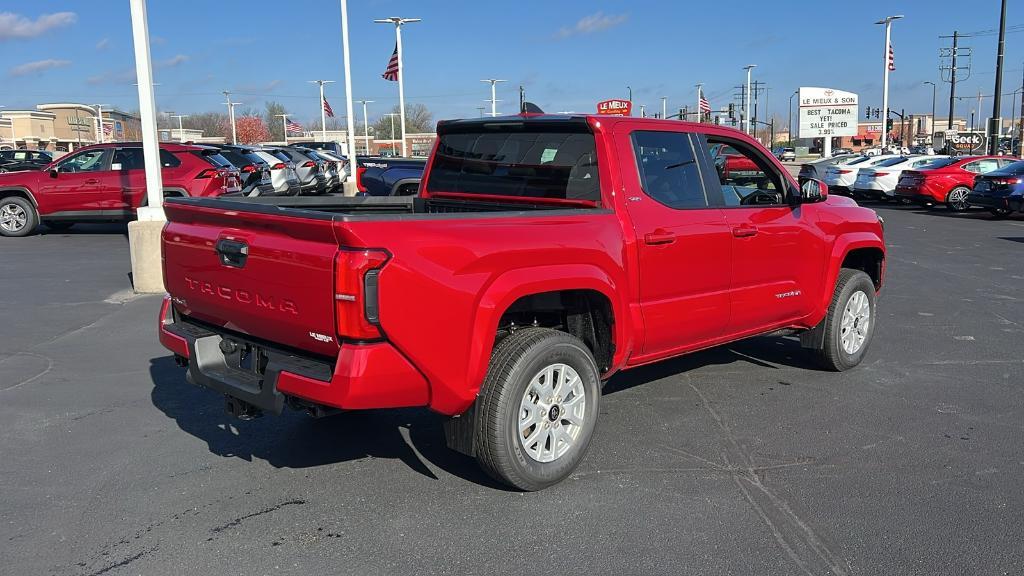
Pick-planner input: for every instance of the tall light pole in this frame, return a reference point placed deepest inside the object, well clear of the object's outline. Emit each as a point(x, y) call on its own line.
point(350, 133)
point(231, 115)
point(154, 209)
point(99, 122)
point(398, 23)
point(887, 22)
point(323, 109)
point(700, 114)
point(366, 126)
point(392, 116)
point(746, 100)
point(284, 126)
point(181, 131)
point(790, 123)
point(996, 123)
point(494, 94)
point(664, 107)
point(933, 106)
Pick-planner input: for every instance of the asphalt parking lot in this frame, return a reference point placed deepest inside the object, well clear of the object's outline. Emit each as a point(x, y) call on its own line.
point(739, 460)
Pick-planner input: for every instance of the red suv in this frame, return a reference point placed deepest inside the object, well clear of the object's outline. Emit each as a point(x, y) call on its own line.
point(947, 181)
point(107, 182)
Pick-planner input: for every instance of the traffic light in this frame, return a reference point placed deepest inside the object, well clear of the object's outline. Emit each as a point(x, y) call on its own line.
point(732, 111)
point(867, 111)
point(888, 125)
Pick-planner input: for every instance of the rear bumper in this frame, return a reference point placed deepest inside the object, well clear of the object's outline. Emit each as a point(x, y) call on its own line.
point(1013, 203)
point(915, 195)
point(364, 376)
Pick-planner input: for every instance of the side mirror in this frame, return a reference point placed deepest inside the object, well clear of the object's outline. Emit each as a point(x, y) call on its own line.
point(53, 172)
point(813, 191)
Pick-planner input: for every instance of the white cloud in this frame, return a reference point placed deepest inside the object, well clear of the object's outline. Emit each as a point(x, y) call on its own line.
point(103, 44)
point(171, 62)
point(593, 23)
point(15, 26)
point(37, 67)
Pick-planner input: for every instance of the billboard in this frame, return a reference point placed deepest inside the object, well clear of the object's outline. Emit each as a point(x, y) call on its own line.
point(615, 107)
point(827, 112)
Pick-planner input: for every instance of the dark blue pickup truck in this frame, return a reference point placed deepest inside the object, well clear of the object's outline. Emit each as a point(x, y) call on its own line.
point(377, 176)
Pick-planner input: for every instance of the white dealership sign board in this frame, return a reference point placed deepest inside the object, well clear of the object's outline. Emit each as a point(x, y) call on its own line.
point(827, 112)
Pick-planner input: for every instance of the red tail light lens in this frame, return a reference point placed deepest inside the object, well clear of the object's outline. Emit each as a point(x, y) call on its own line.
point(355, 293)
point(207, 173)
point(1005, 181)
point(359, 178)
point(308, 164)
point(249, 168)
point(278, 166)
point(877, 174)
point(844, 171)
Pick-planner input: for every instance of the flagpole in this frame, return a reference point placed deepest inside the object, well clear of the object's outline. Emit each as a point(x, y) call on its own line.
point(284, 124)
point(398, 22)
point(700, 112)
point(323, 113)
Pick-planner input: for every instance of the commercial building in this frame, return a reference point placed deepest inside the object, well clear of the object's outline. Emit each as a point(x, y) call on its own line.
point(64, 127)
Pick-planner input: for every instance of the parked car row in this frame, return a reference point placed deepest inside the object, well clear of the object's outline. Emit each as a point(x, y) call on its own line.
point(948, 181)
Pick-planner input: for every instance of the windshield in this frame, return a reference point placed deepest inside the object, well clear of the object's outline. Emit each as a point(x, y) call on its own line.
point(559, 163)
point(940, 163)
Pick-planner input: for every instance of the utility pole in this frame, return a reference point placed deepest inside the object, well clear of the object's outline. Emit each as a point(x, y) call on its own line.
point(231, 115)
point(284, 125)
point(481, 110)
point(746, 101)
point(494, 95)
point(398, 23)
point(366, 126)
point(887, 22)
point(181, 130)
point(996, 123)
point(952, 79)
point(1020, 136)
point(323, 108)
point(664, 107)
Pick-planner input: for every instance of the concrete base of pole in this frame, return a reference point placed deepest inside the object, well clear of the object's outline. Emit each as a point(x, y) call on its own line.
point(349, 188)
point(144, 244)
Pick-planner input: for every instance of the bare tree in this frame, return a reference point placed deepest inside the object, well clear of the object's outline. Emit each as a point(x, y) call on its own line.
point(418, 120)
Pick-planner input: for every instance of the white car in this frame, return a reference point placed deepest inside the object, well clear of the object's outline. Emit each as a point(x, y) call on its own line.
point(879, 181)
point(843, 177)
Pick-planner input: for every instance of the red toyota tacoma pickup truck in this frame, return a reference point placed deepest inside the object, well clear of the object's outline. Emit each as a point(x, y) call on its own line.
point(542, 255)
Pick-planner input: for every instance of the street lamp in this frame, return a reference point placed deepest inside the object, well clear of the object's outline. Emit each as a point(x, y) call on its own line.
point(99, 121)
point(181, 131)
point(746, 100)
point(494, 94)
point(231, 114)
point(323, 107)
point(366, 126)
point(887, 21)
point(933, 106)
point(398, 23)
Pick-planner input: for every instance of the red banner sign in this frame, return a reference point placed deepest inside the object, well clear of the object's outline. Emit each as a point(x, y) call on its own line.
point(615, 107)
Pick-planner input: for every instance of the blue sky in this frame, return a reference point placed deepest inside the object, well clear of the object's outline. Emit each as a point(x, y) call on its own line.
point(567, 54)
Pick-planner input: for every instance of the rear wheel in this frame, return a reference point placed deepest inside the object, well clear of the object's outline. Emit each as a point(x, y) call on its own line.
point(850, 322)
point(956, 200)
point(17, 216)
point(537, 408)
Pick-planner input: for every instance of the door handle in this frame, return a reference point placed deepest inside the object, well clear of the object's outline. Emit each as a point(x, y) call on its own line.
point(659, 236)
point(232, 253)
point(744, 231)
point(92, 181)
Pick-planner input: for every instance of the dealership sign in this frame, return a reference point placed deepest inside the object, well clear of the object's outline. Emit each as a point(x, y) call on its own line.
point(966, 142)
point(615, 107)
point(827, 112)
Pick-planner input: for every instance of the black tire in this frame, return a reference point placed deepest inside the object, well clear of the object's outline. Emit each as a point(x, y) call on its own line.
point(956, 200)
point(832, 355)
point(59, 225)
point(1000, 213)
point(515, 362)
point(19, 227)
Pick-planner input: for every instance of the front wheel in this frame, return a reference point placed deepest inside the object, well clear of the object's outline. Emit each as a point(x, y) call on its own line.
point(17, 217)
point(850, 322)
point(537, 408)
point(956, 200)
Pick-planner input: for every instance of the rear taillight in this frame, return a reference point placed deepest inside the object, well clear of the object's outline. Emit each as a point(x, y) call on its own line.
point(278, 166)
point(1005, 181)
point(359, 178)
point(308, 164)
point(844, 171)
point(249, 168)
point(208, 173)
point(877, 174)
point(356, 308)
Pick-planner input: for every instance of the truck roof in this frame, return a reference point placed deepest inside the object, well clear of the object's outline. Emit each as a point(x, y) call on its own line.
point(568, 119)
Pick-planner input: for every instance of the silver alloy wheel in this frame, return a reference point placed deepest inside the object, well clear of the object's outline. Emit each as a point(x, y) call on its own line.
point(13, 217)
point(958, 199)
point(855, 323)
point(552, 413)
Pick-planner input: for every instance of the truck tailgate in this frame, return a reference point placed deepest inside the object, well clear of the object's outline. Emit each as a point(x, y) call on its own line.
point(267, 276)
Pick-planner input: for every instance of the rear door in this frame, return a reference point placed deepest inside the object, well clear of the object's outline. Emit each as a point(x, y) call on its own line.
point(127, 182)
point(682, 240)
point(777, 251)
point(266, 276)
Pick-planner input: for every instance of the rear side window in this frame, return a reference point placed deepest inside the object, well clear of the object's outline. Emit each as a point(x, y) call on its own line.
point(238, 160)
point(668, 169)
point(518, 163)
point(129, 159)
point(267, 157)
point(215, 159)
point(168, 160)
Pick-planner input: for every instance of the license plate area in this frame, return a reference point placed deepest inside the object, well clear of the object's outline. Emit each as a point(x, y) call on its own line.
point(244, 357)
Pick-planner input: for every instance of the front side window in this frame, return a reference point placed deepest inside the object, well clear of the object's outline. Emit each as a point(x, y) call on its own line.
point(668, 169)
point(746, 177)
point(88, 161)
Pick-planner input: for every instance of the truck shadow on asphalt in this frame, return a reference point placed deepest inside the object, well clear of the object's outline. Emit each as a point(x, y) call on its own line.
point(414, 436)
point(112, 229)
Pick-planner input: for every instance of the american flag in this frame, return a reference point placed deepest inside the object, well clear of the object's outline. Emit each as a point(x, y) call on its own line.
point(892, 58)
point(293, 126)
point(327, 108)
point(391, 72)
point(705, 106)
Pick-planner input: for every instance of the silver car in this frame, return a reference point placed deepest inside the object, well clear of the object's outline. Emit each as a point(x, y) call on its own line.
point(282, 174)
point(340, 161)
point(816, 170)
point(311, 171)
point(331, 169)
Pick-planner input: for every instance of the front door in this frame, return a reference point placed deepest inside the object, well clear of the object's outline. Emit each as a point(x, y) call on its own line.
point(682, 242)
point(777, 250)
point(75, 186)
